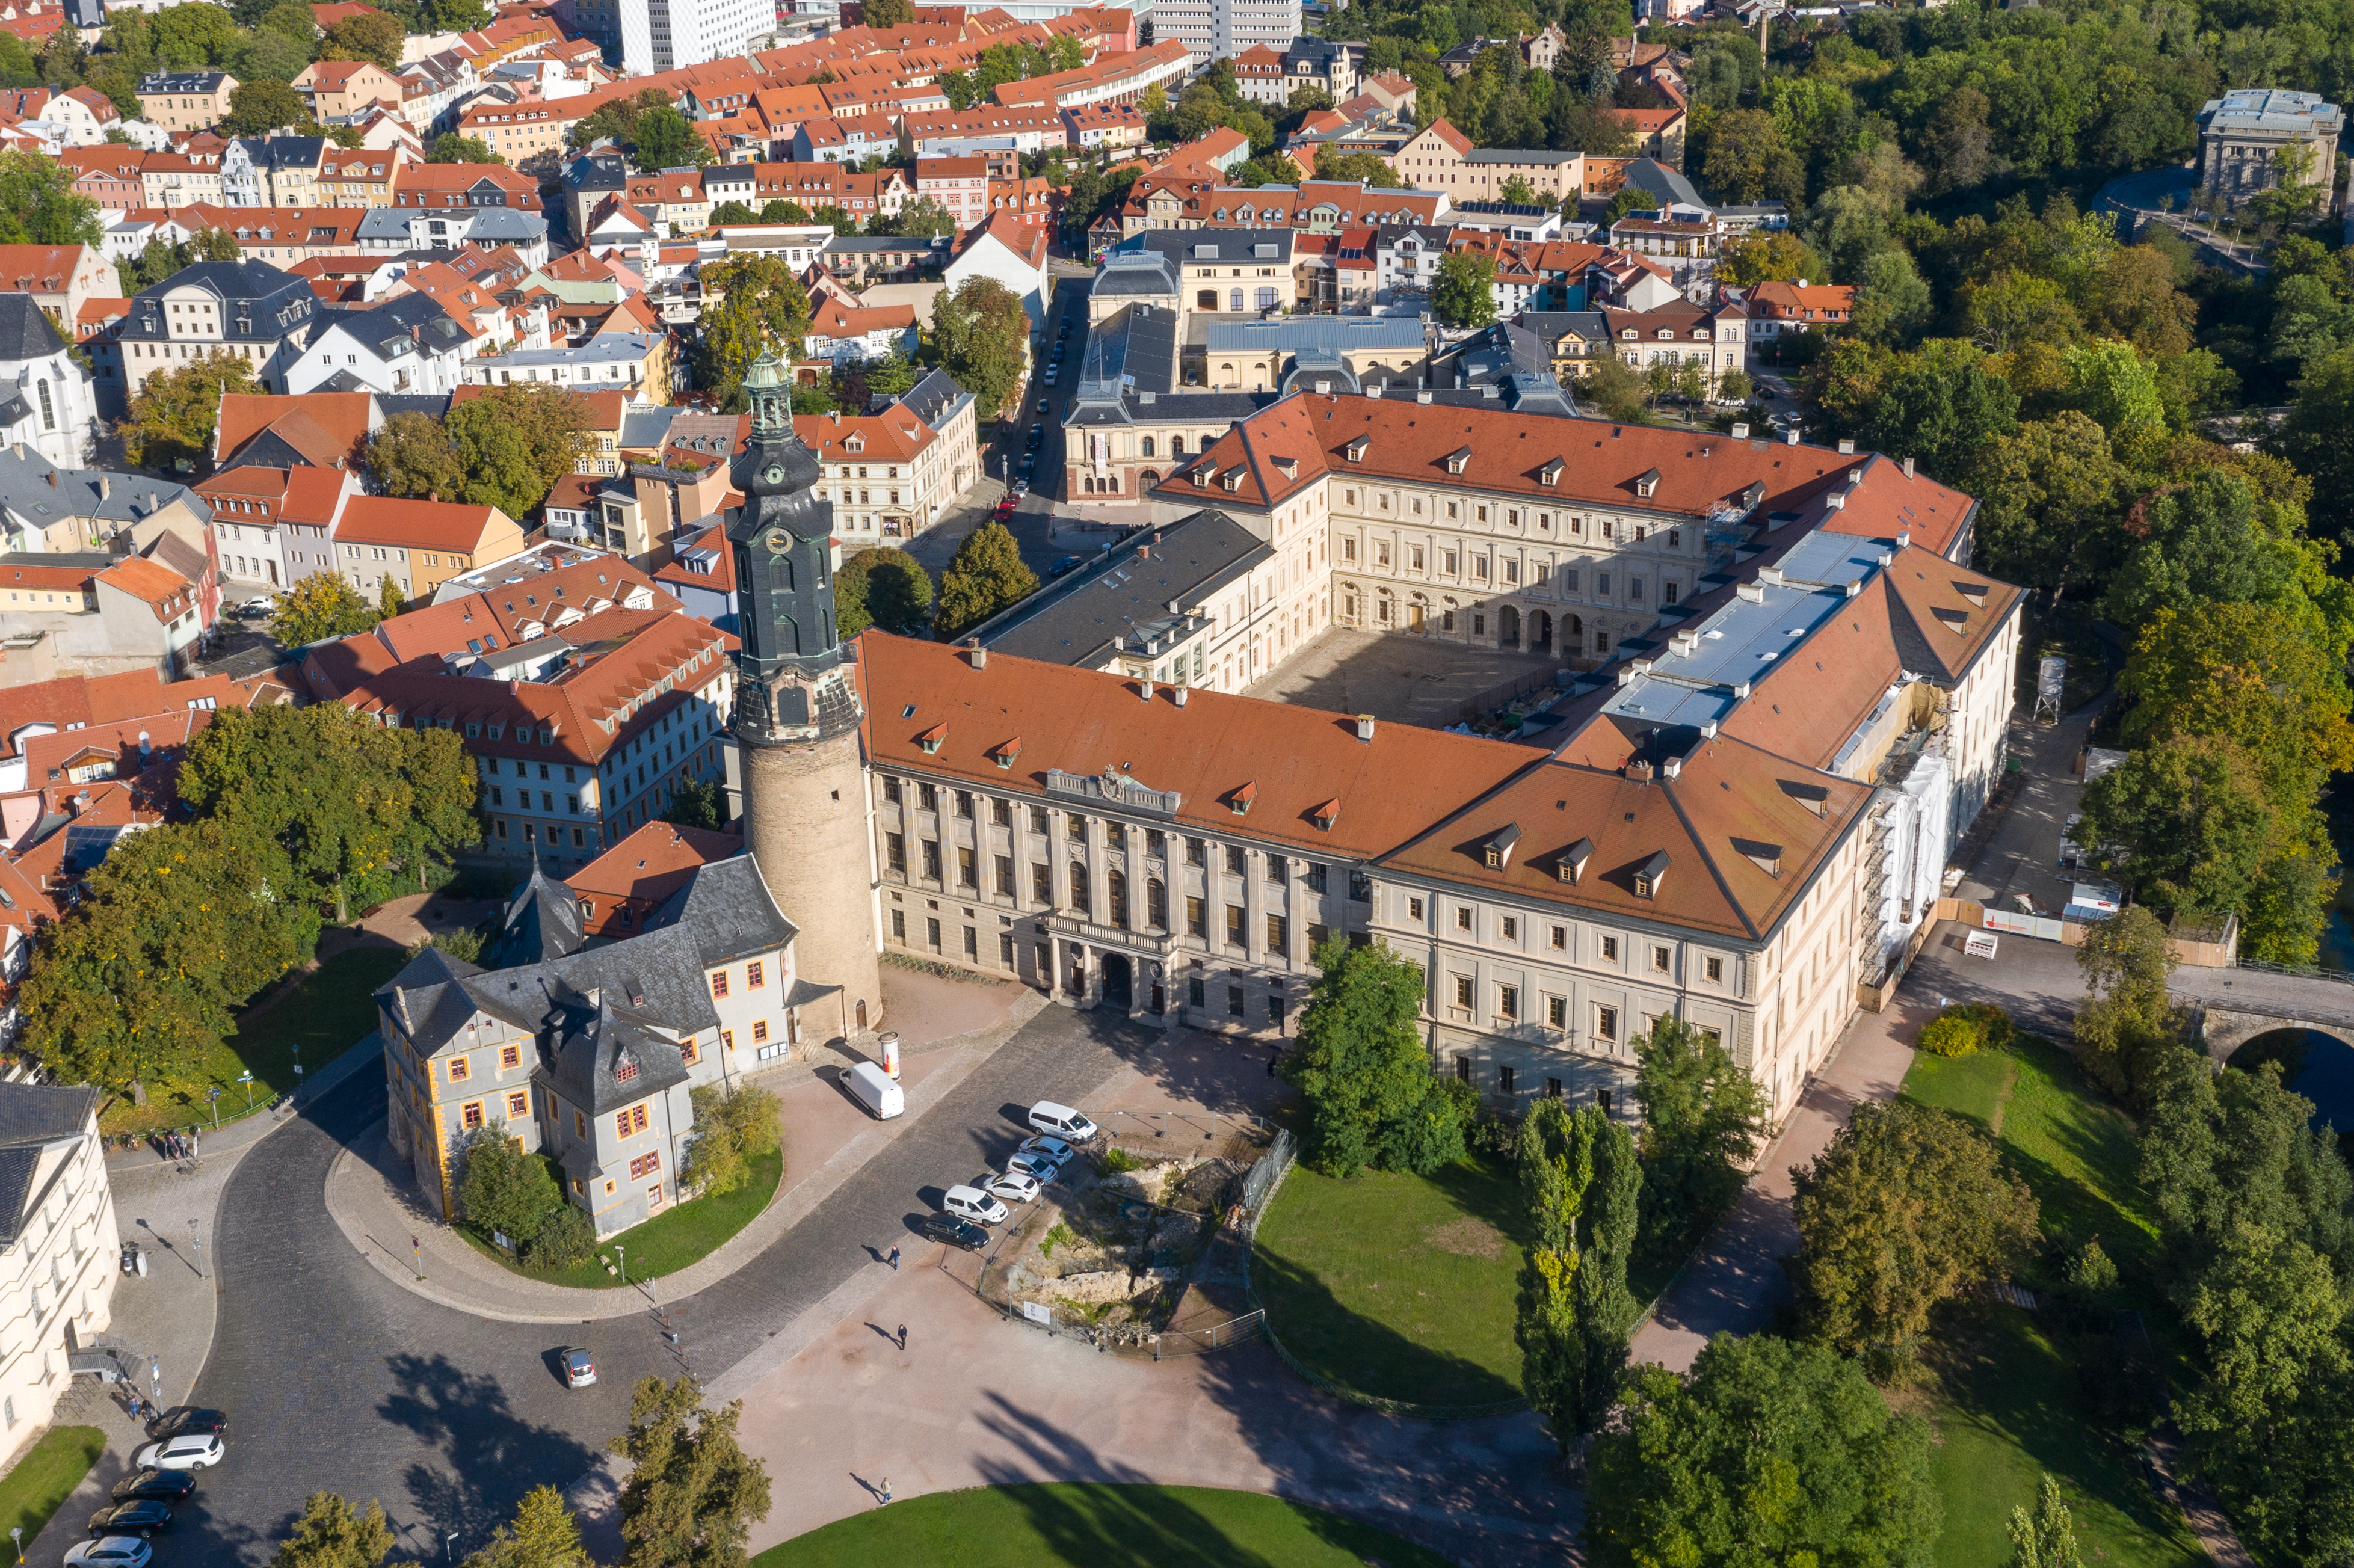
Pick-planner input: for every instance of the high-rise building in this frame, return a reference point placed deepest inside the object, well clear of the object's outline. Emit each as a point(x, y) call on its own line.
point(1221, 29)
point(797, 707)
point(664, 35)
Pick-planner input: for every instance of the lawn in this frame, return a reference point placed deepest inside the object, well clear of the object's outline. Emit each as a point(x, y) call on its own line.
point(2010, 1401)
point(1398, 1287)
point(331, 1011)
point(1095, 1526)
point(45, 1474)
point(684, 1233)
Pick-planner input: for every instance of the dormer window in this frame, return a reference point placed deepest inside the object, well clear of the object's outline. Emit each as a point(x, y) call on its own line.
point(1458, 459)
point(1005, 755)
point(625, 1069)
point(1551, 473)
point(1497, 852)
point(1239, 803)
point(1644, 483)
point(1325, 815)
point(1766, 857)
point(931, 740)
point(1356, 451)
point(1628, 334)
point(1571, 862)
point(1653, 872)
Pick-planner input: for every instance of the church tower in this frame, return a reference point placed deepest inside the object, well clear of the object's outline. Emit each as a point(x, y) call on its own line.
point(797, 710)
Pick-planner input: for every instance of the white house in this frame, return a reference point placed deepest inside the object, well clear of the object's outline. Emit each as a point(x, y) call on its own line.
point(406, 345)
point(1011, 252)
point(57, 1242)
point(841, 332)
point(46, 401)
point(633, 362)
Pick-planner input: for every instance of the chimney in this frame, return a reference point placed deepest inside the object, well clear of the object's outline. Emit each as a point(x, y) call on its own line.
point(1847, 449)
point(1904, 538)
point(1672, 768)
point(1364, 726)
point(1145, 689)
point(980, 655)
point(105, 486)
point(1908, 468)
point(1740, 431)
point(1179, 697)
point(1639, 772)
point(55, 482)
point(1790, 436)
point(432, 495)
point(1144, 552)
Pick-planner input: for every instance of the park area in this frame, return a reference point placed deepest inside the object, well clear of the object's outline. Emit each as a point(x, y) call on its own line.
point(314, 1021)
point(684, 1234)
point(1097, 1525)
point(2015, 1393)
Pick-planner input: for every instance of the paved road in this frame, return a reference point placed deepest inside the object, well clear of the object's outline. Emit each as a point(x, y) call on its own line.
point(338, 1379)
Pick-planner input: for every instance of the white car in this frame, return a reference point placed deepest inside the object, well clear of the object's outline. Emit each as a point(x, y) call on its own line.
point(1061, 1121)
point(1052, 1148)
point(258, 608)
point(1013, 1186)
point(193, 1451)
point(111, 1551)
point(972, 1203)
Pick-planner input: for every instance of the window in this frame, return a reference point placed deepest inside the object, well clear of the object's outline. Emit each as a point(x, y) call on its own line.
point(1511, 928)
point(1042, 884)
point(1005, 875)
point(645, 1164)
point(898, 925)
point(1660, 960)
point(1715, 968)
point(1557, 938)
point(1196, 853)
point(1610, 949)
point(1078, 829)
point(759, 1031)
point(1507, 1002)
point(1235, 914)
point(518, 1104)
point(1279, 934)
point(1557, 1012)
point(1234, 861)
point(1235, 1001)
point(931, 860)
point(510, 1056)
point(1196, 993)
point(719, 982)
point(632, 1121)
point(1463, 919)
point(1196, 919)
point(459, 1069)
point(1606, 1024)
point(1038, 818)
point(1463, 991)
point(1504, 1079)
point(470, 1115)
point(1413, 909)
point(579, 1125)
point(1463, 1069)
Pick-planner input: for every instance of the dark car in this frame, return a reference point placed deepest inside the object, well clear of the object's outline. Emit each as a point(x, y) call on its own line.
point(955, 1232)
point(185, 1420)
point(140, 1518)
point(1764, 390)
point(1067, 565)
point(156, 1485)
point(1037, 436)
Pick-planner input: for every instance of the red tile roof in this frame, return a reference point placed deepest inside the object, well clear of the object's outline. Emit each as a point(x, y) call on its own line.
point(636, 876)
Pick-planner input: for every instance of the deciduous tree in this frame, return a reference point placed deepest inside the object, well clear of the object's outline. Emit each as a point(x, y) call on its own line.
point(2046, 1538)
point(255, 107)
point(1581, 1180)
point(985, 576)
point(334, 1534)
point(374, 37)
point(1704, 1115)
point(516, 441)
point(412, 456)
point(1463, 296)
point(505, 1191)
point(1908, 1205)
point(693, 1494)
point(452, 148)
point(885, 588)
point(1360, 1063)
point(731, 1129)
point(696, 803)
point(320, 605)
point(752, 302)
point(173, 415)
point(979, 332)
point(543, 1534)
point(666, 139)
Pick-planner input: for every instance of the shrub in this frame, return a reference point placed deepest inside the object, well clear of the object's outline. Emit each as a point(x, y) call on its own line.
point(564, 1239)
point(1432, 1135)
point(1115, 1160)
point(1961, 1030)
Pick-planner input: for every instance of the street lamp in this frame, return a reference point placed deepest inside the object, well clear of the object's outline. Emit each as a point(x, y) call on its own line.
point(623, 1252)
point(198, 1242)
point(449, 1548)
point(16, 1534)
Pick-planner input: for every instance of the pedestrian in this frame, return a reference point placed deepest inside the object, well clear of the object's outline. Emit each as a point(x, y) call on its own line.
point(895, 1260)
point(903, 1336)
point(887, 1491)
point(1271, 1062)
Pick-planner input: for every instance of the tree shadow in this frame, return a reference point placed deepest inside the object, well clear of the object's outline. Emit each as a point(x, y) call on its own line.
point(490, 1455)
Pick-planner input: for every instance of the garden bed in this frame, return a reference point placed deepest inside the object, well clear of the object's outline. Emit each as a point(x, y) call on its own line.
point(687, 1232)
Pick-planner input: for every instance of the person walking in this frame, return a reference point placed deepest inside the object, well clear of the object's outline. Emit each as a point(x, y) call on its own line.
point(895, 1260)
point(887, 1491)
point(1271, 1063)
point(903, 1336)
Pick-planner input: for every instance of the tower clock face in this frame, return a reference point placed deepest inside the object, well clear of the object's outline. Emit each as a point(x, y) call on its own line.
point(775, 473)
point(779, 540)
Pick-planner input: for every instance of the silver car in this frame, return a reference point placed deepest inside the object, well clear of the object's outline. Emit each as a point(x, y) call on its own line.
point(190, 1451)
point(1035, 1164)
point(1013, 1186)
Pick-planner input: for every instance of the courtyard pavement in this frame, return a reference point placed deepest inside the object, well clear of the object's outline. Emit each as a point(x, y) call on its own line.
point(1403, 680)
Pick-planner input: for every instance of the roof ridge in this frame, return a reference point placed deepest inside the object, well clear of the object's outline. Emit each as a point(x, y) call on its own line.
point(1716, 872)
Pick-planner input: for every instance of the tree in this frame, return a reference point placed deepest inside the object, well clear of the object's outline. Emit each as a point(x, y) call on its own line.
point(1704, 1115)
point(985, 576)
point(666, 139)
point(505, 1191)
point(1517, 190)
point(38, 205)
point(2052, 495)
point(410, 455)
point(734, 212)
point(778, 210)
point(883, 14)
point(2253, 673)
point(255, 107)
point(2224, 1150)
point(1908, 1205)
point(1766, 1452)
point(2185, 827)
point(1615, 389)
point(319, 606)
point(543, 1535)
point(1891, 301)
point(516, 441)
point(693, 1494)
point(981, 332)
point(389, 599)
point(1463, 296)
point(1769, 255)
point(751, 303)
point(340, 795)
point(2045, 1539)
point(2318, 434)
point(173, 417)
point(271, 56)
point(1941, 406)
point(332, 1534)
point(1581, 1183)
point(697, 803)
point(1746, 161)
point(452, 148)
point(731, 1129)
point(374, 37)
point(923, 219)
point(1360, 1064)
point(616, 119)
point(194, 35)
point(2267, 1310)
point(890, 588)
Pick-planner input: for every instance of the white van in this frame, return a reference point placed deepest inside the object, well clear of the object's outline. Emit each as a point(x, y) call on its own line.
point(872, 1088)
point(1061, 1121)
point(972, 1203)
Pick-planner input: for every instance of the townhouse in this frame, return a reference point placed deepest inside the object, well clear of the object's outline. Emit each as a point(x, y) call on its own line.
point(60, 279)
point(1681, 336)
point(417, 545)
point(959, 185)
point(406, 345)
point(637, 363)
point(890, 475)
point(273, 525)
point(245, 308)
point(340, 90)
point(272, 171)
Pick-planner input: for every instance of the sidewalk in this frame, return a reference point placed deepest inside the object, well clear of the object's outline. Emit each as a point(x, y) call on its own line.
point(374, 1201)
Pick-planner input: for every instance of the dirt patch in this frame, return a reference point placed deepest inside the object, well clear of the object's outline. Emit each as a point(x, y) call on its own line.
point(1466, 1238)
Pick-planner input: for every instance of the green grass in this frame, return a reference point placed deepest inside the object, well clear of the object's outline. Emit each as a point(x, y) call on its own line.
point(45, 1474)
point(1095, 1526)
point(331, 1011)
point(683, 1234)
point(1395, 1286)
point(2007, 1402)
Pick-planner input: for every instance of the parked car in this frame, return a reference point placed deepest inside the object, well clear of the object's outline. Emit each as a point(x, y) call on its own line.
point(1054, 1149)
point(1065, 566)
point(579, 1372)
point(257, 609)
point(972, 1203)
point(181, 1419)
point(955, 1232)
point(111, 1551)
point(1029, 464)
point(1037, 436)
point(1061, 1121)
point(188, 1451)
point(131, 1519)
point(156, 1485)
point(1014, 1186)
point(1040, 1167)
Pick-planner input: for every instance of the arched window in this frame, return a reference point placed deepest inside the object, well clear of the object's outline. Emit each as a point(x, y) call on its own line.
point(1116, 884)
point(1176, 446)
point(1147, 448)
point(49, 414)
point(1234, 298)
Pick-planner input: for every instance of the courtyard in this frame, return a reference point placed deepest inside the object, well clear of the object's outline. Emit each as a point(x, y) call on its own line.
point(1405, 680)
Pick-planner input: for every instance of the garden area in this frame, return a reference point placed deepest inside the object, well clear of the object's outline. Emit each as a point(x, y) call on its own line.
point(325, 1013)
point(45, 1474)
point(1097, 1525)
point(2014, 1393)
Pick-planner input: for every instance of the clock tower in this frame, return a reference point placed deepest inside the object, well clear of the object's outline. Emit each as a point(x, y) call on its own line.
point(797, 714)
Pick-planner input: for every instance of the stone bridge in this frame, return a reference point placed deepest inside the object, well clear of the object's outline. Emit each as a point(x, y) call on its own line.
point(2224, 1027)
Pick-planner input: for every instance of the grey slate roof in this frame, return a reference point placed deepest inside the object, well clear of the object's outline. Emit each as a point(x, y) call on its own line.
point(25, 488)
point(504, 223)
point(405, 319)
point(727, 910)
point(33, 1117)
point(1651, 176)
point(1297, 334)
point(432, 404)
point(183, 82)
point(385, 223)
point(270, 302)
point(933, 399)
point(283, 152)
point(647, 427)
point(542, 922)
point(24, 330)
point(1077, 621)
